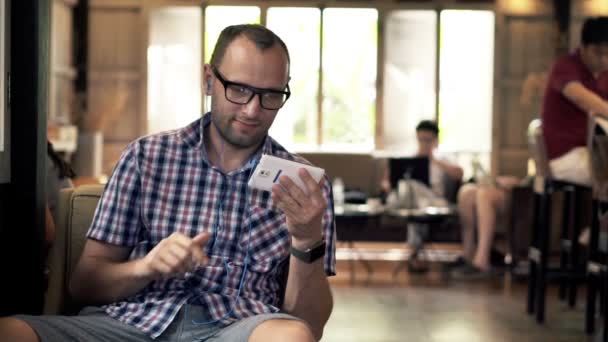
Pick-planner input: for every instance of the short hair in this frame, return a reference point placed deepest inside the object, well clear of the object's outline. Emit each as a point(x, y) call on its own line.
point(595, 31)
point(262, 37)
point(428, 125)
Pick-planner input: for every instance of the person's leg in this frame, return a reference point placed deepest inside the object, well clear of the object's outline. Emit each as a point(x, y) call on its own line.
point(468, 219)
point(16, 330)
point(265, 327)
point(282, 330)
point(93, 324)
point(490, 202)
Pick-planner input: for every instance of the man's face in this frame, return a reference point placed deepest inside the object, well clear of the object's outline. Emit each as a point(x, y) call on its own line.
point(246, 125)
point(427, 141)
point(597, 57)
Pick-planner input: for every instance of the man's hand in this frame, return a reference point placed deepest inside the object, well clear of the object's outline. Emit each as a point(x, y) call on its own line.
point(304, 211)
point(174, 256)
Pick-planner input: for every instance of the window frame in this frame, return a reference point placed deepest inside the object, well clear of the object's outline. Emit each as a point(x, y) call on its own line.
point(383, 8)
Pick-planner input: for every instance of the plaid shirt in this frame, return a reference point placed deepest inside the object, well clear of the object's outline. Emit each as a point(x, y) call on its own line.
point(164, 183)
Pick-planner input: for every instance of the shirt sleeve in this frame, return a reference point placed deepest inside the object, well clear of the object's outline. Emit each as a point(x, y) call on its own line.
point(329, 230)
point(563, 73)
point(117, 217)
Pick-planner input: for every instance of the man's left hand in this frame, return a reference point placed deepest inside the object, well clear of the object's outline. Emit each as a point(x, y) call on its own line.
point(304, 210)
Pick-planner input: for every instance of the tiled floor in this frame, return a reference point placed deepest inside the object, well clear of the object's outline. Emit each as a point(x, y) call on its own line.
point(432, 307)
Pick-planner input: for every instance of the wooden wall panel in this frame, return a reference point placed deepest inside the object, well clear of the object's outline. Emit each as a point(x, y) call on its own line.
point(116, 32)
point(63, 73)
point(114, 37)
point(126, 126)
point(526, 46)
point(111, 154)
point(513, 161)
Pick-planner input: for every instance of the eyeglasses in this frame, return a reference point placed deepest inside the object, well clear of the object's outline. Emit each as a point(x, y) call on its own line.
point(239, 93)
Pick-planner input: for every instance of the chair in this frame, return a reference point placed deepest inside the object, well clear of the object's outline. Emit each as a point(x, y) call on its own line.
point(597, 264)
point(76, 209)
point(545, 186)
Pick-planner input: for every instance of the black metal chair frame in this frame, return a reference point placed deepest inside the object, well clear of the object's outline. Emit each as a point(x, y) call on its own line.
point(569, 273)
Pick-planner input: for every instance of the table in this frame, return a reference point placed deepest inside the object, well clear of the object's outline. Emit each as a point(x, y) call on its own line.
point(353, 222)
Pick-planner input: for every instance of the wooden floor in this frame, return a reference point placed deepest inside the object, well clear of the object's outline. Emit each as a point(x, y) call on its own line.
point(432, 307)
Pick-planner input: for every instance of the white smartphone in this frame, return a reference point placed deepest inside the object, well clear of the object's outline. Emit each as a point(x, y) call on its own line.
point(270, 168)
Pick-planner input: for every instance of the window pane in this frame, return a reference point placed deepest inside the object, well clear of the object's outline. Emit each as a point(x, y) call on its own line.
point(409, 77)
point(349, 78)
point(466, 77)
point(296, 124)
point(218, 17)
point(174, 67)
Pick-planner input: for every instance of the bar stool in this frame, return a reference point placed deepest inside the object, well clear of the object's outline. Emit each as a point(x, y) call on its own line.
point(597, 264)
point(569, 273)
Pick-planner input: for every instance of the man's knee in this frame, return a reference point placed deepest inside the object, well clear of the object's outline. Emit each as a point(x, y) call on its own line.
point(282, 330)
point(12, 329)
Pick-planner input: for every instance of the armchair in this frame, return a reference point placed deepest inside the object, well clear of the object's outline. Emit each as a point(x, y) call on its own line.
point(76, 209)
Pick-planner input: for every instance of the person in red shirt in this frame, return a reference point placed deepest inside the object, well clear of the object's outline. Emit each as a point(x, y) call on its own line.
point(577, 87)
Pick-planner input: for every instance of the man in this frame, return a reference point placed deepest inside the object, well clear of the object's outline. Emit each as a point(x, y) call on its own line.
point(577, 87)
point(182, 248)
point(440, 171)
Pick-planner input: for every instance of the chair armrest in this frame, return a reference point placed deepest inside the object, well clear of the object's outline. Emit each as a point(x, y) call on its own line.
point(56, 261)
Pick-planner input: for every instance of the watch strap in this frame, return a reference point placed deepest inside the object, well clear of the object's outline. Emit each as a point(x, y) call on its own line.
point(311, 254)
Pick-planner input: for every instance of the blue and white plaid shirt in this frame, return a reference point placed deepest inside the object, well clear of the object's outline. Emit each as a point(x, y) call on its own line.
point(164, 183)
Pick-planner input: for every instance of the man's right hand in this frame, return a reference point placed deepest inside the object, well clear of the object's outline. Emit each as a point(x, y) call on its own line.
point(174, 256)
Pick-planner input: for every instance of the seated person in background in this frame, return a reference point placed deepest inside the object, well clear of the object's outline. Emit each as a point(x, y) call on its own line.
point(427, 135)
point(479, 207)
point(59, 176)
point(577, 87)
point(181, 247)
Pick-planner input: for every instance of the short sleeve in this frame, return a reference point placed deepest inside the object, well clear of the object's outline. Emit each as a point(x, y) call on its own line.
point(563, 73)
point(117, 217)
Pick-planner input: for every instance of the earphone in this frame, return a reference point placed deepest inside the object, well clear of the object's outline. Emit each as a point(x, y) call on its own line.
point(208, 87)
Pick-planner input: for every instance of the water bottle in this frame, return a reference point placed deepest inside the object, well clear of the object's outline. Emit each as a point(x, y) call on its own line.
point(338, 191)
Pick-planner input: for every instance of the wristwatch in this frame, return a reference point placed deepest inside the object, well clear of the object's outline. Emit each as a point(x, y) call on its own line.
point(311, 254)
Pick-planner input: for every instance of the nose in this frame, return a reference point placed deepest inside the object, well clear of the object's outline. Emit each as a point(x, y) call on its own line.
point(253, 107)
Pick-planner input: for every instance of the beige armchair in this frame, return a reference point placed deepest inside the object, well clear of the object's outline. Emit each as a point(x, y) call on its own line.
point(75, 213)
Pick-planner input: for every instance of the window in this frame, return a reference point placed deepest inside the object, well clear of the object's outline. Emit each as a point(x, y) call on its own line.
point(174, 67)
point(218, 17)
point(466, 84)
point(437, 64)
point(461, 100)
point(296, 124)
point(349, 78)
point(409, 77)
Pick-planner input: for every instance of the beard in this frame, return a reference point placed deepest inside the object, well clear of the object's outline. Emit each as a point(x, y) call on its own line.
point(223, 125)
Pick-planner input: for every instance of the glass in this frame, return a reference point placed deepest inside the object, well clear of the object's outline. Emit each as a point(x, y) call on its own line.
point(409, 77)
point(466, 84)
point(300, 28)
point(239, 93)
point(349, 78)
point(174, 67)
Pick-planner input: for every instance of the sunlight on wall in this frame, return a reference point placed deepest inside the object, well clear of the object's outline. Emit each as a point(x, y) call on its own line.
point(520, 6)
point(596, 7)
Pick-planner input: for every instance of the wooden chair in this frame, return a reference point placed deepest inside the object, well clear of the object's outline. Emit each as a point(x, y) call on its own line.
point(545, 186)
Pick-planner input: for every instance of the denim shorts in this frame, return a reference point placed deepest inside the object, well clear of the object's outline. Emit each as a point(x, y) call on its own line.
point(93, 324)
